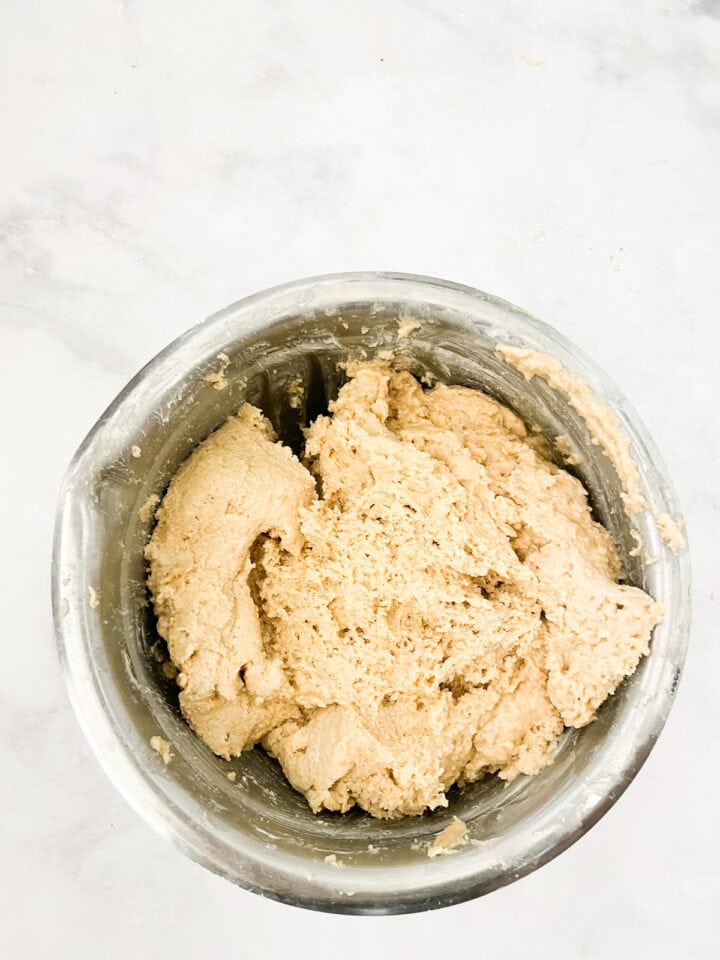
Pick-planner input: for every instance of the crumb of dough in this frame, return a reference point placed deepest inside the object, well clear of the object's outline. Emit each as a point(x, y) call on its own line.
point(428, 378)
point(231, 775)
point(136, 451)
point(605, 432)
point(93, 598)
point(170, 669)
point(452, 837)
point(650, 560)
point(364, 330)
point(162, 748)
point(564, 448)
point(425, 599)
point(295, 393)
point(671, 530)
point(217, 377)
point(147, 510)
point(638, 549)
point(158, 652)
point(406, 325)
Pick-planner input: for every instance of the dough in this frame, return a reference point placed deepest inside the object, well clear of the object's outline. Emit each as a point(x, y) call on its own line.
point(605, 432)
point(426, 600)
point(162, 748)
point(454, 835)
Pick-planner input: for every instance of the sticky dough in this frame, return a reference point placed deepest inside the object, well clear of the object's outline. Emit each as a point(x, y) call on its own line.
point(425, 600)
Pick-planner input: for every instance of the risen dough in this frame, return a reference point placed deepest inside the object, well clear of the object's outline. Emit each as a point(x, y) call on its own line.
point(440, 607)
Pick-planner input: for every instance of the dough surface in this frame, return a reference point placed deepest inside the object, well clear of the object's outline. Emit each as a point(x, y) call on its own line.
point(425, 600)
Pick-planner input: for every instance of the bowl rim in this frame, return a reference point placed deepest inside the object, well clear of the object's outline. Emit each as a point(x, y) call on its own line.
point(139, 787)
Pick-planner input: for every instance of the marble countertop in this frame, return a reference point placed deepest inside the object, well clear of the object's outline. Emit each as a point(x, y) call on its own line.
point(161, 160)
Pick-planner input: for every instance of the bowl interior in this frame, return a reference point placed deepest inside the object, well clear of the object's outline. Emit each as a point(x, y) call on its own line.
point(247, 827)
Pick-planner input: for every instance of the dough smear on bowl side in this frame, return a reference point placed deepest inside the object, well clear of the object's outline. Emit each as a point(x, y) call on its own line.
point(425, 600)
point(605, 432)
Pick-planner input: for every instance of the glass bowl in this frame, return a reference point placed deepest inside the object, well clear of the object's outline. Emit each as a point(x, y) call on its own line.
point(257, 831)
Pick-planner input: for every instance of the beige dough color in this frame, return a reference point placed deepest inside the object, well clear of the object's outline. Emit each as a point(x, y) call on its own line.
point(425, 600)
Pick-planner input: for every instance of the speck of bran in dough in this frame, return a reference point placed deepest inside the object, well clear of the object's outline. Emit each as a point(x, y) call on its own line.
point(162, 748)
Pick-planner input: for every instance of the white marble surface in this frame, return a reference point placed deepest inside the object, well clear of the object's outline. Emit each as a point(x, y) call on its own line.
point(162, 159)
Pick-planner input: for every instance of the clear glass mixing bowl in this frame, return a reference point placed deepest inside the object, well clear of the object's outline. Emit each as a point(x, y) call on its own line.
point(257, 831)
